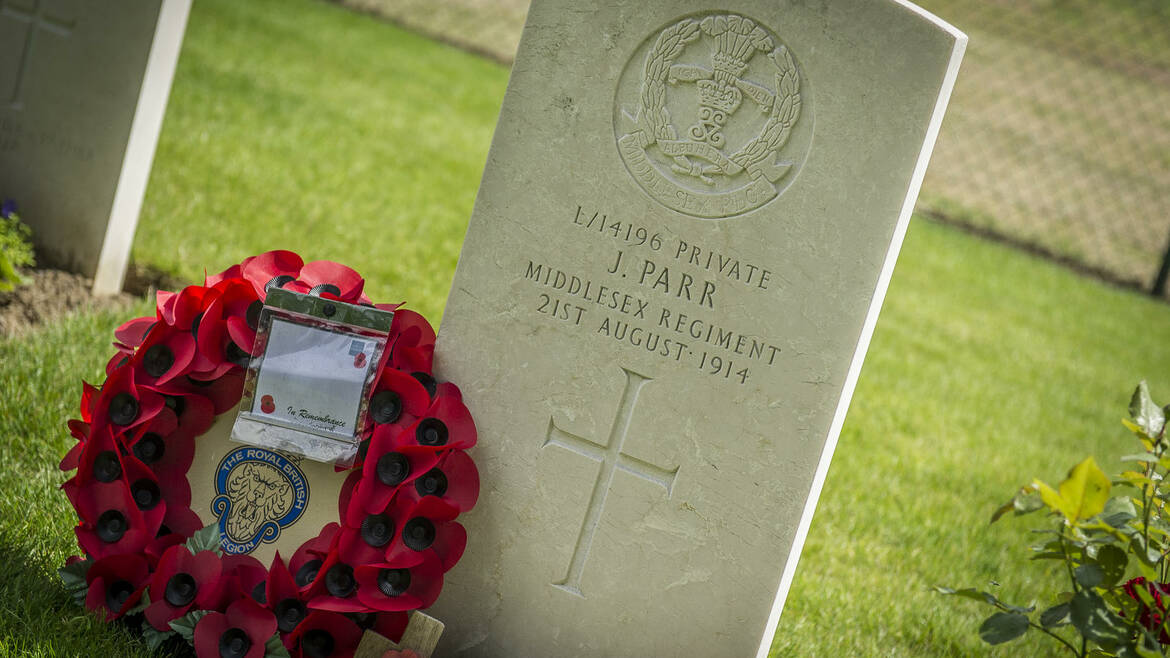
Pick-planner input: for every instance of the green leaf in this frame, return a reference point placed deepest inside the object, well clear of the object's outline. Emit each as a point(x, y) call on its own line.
point(207, 539)
point(274, 648)
point(1003, 627)
point(73, 577)
point(1082, 494)
point(142, 603)
point(1095, 621)
point(1119, 511)
point(1089, 575)
point(1145, 413)
point(1024, 502)
point(185, 625)
point(1146, 554)
point(967, 593)
point(1112, 560)
point(1057, 615)
point(154, 637)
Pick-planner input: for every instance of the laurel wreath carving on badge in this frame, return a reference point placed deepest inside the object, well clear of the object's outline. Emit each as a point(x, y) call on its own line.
point(147, 557)
point(701, 152)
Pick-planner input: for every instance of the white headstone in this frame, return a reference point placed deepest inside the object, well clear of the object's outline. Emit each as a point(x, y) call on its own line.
point(681, 243)
point(83, 89)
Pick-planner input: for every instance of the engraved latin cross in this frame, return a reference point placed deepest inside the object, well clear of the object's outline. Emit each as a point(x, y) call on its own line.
point(36, 18)
point(612, 459)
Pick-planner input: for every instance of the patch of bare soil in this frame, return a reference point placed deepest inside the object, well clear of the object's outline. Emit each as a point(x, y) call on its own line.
point(48, 296)
point(52, 294)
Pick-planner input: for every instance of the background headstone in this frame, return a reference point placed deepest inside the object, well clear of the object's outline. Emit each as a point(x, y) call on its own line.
point(83, 89)
point(680, 246)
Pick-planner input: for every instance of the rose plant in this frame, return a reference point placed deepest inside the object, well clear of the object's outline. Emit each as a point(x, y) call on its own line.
point(1112, 540)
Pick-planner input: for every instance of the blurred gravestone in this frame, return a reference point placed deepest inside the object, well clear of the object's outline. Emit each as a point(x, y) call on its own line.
point(680, 246)
point(83, 88)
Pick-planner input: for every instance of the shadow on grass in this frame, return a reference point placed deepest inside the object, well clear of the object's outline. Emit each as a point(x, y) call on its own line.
point(39, 618)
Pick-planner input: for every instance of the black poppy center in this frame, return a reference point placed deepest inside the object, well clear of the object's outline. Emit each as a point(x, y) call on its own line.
point(176, 403)
point(236, 354)
point(431, 432)
point(146, 493)
point(432, 483)
point(117, 594)
point(289, 613)
point(259, 594)
point(111, 525)
point(427, 381)
point(385, 407)
point(418, 533)
point(394, 582)
point(279, 281)
point(325, 287)
point(181, 590)
point(377, 530)
point(234, 643)
point(123, 409)
point(158, 360)
point(393, 468)
point(252, 316)
point(317, 643)
point(106, 467)
point(150, 448)
point(307, 573)
point(339, 580)
point(364, 620)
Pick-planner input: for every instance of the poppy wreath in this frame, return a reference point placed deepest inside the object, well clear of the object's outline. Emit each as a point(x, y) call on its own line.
point(147, 557)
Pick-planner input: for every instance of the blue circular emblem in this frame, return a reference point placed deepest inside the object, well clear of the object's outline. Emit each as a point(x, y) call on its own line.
point(259, 492)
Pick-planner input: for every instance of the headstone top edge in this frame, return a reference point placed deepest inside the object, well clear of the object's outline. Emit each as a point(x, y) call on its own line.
point(959, 35)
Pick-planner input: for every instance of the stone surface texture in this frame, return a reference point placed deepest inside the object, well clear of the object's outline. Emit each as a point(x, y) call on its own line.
point(685, 227)
point(72, 76)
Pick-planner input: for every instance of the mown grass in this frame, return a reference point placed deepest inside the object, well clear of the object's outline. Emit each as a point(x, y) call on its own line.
point(298, 124)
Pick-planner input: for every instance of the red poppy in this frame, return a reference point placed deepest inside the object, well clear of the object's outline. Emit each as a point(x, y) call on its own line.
point(241, 633)
point(428, 528)
point(305, 564)
point(183, 582)
point(400, 588)
point(165, 353)
point(116, 584)
point(397, 400)
point(447, 425)
point(412, 342)
point(454, 480)
point(270, 267)
point(283, 597)
point(324, 635)
point(243, 576)
point(133, 332)
point(335, 588)
point(111, 523)
point(348, 282)
point(384, 472)
point(123, 405)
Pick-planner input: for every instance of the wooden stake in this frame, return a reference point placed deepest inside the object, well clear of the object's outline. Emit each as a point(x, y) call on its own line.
point(421, 635)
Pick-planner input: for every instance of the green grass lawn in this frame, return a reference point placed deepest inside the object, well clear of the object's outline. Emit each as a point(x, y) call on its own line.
point(297, 124)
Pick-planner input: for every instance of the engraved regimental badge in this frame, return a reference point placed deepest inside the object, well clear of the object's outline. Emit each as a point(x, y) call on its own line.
point(708, 116)
point(260, 492)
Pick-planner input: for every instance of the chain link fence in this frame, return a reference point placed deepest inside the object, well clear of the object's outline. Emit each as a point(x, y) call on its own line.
point(1058, 133)
point(1057, 138)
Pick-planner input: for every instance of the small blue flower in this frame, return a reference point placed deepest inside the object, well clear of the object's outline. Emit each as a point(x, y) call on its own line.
point(7, 208)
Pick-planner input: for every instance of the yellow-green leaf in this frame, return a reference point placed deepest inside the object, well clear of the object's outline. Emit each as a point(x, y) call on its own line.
point(1085, 491)
point(1051, 498)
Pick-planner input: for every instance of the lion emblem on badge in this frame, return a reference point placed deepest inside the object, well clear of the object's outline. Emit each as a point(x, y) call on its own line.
point(260, 492)
point(703, 128)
